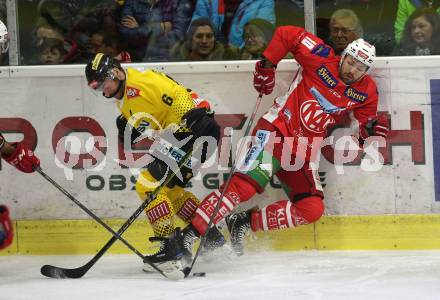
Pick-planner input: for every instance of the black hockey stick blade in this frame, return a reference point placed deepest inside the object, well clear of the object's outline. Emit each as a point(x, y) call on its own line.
point(61, 273)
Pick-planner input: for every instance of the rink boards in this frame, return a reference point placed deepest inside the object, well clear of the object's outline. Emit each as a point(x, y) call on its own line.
point(365, 209)
point(403, 232)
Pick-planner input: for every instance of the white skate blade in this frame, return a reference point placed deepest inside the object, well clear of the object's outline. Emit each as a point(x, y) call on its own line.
point(175, 275)
point(171, 269)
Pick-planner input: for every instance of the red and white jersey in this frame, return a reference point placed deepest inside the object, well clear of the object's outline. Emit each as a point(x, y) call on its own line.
point(317, 97)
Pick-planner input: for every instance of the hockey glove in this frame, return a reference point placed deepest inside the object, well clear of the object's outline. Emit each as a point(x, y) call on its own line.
point(264, 78)
point(376, 127)
point(121, 123)
point(23, 159)
point(6, 233)
point(202, 123)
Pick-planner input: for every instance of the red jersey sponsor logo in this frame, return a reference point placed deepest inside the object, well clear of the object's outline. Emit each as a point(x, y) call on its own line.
point(327, 77)
point(313, 118)
point(355, 95)
point(188, 209)
point(159, 211)
point(132, 92)
point(234, 197)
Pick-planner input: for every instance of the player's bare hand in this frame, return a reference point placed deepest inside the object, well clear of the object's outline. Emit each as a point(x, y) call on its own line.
point(129, 22)
point(167, 26)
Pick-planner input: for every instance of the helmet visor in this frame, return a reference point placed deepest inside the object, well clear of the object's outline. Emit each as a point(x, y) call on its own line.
point(98, 85)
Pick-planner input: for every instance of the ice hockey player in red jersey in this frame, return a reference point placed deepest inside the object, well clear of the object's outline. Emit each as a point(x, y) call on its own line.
point(14, 153)
point(18, 155)
point(323, 90)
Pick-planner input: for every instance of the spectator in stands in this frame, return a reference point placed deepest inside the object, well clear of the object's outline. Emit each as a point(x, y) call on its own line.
point(229, 17)
point(421, 35)
point(345, 27)
point(52, 51)
point(76, 20)
point(151, 28)
point(200, 43)
point(44, 32)
point(257, 34)
point(108, 43)
point(406, 8)
point(103, 16)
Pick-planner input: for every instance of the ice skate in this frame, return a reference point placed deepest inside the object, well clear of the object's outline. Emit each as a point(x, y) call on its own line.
point(238, 225)
point(175, 251)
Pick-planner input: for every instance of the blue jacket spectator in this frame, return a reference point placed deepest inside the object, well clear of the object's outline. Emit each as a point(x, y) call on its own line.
point(246, 11)
point(152, 29)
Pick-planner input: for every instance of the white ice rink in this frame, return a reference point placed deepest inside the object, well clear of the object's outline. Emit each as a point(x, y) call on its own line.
point(269, 275)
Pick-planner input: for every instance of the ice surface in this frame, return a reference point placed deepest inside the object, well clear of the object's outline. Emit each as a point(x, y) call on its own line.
point(268, 275)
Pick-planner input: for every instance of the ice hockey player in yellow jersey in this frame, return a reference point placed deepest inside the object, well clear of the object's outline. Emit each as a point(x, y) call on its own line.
point(150, 101)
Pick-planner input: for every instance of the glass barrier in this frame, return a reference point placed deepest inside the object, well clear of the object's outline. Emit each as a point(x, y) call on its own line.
point(57, 32)
point(341, 22)
point(396, 27)
point(66, 32)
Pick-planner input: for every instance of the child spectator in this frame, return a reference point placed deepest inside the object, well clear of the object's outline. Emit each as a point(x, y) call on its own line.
point(52, 52)
point(108, 43)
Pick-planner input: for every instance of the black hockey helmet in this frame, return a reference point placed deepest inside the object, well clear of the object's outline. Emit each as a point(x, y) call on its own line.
point(99, 68)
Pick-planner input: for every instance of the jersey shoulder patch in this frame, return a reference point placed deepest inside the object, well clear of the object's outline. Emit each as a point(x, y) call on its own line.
point(132, 92)
point(321, 50)
point(309, 42)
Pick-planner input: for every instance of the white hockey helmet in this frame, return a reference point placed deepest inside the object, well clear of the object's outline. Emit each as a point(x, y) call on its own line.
point(4, 38)
point(361, 51)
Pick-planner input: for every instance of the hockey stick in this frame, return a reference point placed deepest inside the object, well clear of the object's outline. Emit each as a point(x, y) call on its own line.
point(188, 270)
point(57, 272)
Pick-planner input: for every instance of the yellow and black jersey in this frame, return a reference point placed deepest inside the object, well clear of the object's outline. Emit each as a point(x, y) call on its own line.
point(154, 100)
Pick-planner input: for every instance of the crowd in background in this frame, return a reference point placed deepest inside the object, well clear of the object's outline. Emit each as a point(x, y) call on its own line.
point(200, 30)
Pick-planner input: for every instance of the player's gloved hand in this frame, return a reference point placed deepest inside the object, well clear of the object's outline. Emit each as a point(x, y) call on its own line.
point(202, 123)
point(23, 159)
point(264, 78)
point(121, 123)
point(375, 127)
point(6, 233)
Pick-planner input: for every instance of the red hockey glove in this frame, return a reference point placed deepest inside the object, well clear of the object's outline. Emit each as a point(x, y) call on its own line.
point(23, 159)
point(6, 233)
point(376, 127)
point(264, 79)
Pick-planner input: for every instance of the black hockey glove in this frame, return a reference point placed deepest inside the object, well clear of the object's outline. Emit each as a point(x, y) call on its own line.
point(202, 123)
point(121, 123)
